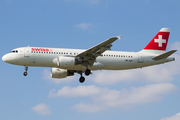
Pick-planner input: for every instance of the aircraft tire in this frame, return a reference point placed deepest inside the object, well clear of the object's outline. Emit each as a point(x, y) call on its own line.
point(81, 79)
point(25, 73)
point(87, 72)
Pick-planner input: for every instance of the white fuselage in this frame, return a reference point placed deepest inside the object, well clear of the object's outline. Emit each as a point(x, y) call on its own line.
point(66, 62)
point(109, 60)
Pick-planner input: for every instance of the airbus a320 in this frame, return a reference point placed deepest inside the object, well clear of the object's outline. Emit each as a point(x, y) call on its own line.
point(67, 62)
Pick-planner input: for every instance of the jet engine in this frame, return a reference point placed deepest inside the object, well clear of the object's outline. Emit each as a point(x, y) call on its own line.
point(60, 73)
point(66, 61)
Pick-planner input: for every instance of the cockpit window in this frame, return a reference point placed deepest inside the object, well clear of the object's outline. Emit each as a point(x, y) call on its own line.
point(14, 51)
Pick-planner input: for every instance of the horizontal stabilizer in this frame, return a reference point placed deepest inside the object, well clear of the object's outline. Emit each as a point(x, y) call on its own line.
point(164, 55)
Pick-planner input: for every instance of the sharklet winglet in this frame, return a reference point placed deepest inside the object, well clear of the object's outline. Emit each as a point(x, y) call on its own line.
point(119, 37)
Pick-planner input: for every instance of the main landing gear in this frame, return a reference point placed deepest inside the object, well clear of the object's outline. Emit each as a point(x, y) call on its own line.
point(25, 73)
point(87, 73)
point(81, 79)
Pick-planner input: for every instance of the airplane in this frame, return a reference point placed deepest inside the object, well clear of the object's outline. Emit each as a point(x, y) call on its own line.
point(66, 62)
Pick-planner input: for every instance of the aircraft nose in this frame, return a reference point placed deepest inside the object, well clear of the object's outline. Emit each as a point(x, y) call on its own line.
point(9, 58)
point(4, 58)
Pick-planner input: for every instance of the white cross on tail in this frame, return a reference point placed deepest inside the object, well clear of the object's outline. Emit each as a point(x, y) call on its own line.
point(160, 41)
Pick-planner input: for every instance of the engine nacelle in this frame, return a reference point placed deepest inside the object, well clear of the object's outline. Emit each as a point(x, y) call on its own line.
point(64, 62)
point(60, 73)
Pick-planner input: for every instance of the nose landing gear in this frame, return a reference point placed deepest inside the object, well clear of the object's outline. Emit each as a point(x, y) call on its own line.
point(25, 73)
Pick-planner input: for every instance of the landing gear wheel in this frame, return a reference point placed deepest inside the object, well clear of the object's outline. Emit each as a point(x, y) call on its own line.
point(25, 73)
point(81, 79)
point(87, 72)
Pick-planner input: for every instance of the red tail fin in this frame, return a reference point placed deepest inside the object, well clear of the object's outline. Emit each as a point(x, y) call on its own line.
point(159, 42)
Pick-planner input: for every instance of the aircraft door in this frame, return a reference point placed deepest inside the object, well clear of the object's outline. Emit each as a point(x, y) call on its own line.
point(26, 52)
point(140, 58)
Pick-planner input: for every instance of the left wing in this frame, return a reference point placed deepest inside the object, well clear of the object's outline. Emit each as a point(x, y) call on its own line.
point(91, 54)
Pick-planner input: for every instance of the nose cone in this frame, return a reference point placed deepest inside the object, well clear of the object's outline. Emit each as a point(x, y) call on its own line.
point(4, 58)
point(10, 58)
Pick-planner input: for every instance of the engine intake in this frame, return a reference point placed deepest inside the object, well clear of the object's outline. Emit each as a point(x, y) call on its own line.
point(60, 73)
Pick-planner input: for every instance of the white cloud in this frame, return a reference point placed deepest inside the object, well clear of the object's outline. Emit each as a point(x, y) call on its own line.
point(155, 74)
point(84, 91)
point(104, 98)
point(175, 117)
point(83, 26)
point(175, 46)
point(42, 109)
point(88, 108)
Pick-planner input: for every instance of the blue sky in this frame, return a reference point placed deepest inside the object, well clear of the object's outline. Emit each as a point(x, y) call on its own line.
point(151, 93)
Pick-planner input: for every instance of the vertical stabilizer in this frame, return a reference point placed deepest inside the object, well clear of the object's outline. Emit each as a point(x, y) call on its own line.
point(159, 42)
